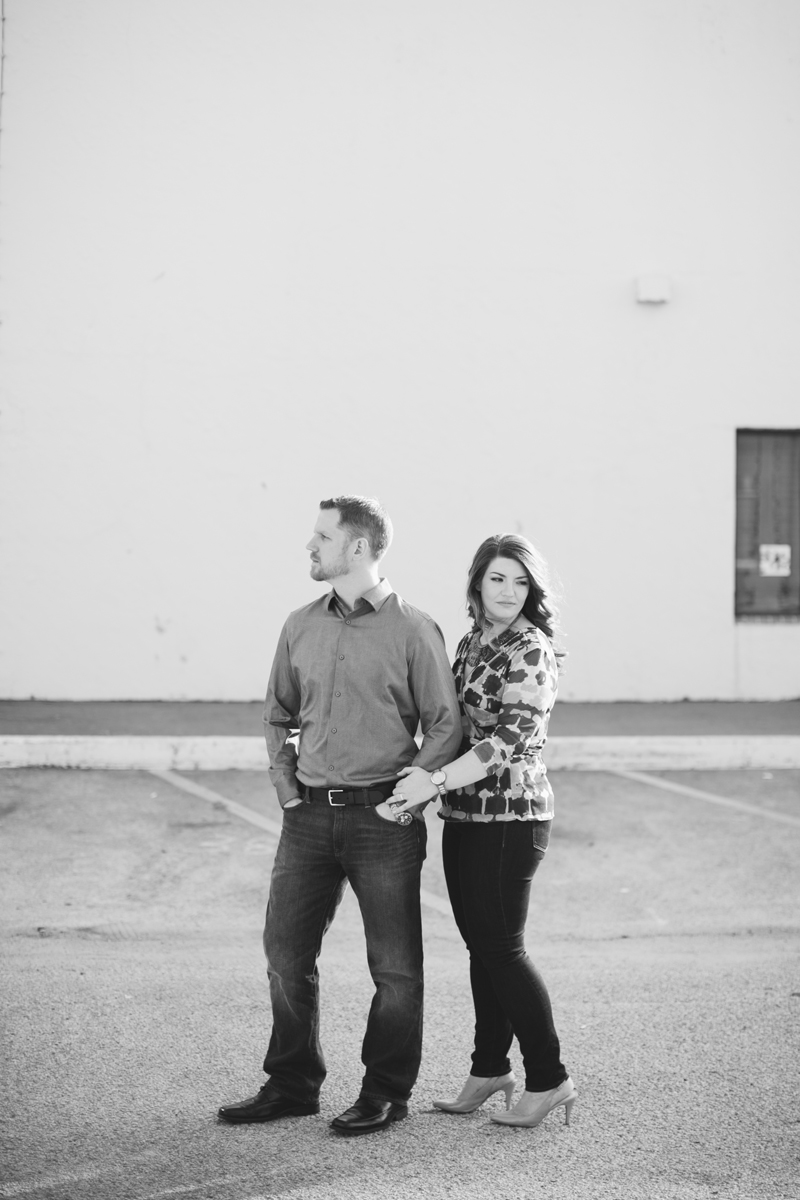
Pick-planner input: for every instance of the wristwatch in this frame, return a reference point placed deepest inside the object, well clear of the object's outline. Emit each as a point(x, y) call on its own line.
point(439, 779)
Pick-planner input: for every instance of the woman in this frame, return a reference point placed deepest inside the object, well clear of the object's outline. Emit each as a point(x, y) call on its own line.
point(497, 805)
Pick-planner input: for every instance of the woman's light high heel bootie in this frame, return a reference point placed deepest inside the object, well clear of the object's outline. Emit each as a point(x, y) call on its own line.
point(533, 1107)
point(476, 1091)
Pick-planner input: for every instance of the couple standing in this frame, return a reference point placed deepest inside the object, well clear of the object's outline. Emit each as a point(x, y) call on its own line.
point(355, 673)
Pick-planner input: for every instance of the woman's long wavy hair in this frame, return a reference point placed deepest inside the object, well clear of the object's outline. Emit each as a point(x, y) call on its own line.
point(539, 607)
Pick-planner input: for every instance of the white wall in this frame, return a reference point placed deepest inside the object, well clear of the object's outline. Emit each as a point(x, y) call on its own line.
point(259, 253)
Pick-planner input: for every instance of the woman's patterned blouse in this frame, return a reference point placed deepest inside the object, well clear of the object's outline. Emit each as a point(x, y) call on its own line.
point(506, 692)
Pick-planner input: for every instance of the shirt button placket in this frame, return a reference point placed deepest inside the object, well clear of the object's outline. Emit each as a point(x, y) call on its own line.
point(332, 768)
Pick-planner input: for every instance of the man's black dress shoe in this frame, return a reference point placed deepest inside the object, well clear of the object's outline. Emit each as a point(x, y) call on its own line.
point(267, 1105)
point(368, 1116)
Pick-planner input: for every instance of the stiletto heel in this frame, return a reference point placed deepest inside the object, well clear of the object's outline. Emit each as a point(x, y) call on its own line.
point(476, 1091)
point(533, 1107)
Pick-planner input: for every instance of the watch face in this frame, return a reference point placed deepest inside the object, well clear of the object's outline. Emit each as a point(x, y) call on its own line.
point(438, 777)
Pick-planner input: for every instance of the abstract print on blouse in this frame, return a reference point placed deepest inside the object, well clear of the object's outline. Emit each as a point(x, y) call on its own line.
point(506, 692)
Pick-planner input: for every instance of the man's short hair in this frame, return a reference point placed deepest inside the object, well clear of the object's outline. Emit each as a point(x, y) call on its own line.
point(363, 516)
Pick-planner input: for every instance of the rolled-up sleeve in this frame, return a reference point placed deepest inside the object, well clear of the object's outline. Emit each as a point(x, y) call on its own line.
point(431, 682)
point(528, 697)
point(281, 721)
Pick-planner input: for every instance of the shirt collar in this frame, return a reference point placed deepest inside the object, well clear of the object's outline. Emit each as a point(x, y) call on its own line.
point(376, 597)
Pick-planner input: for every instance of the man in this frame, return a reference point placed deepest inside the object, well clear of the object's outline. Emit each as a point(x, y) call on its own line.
point(354, 672)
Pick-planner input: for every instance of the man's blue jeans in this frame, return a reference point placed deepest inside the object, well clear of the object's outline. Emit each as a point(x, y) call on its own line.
point(320, 849)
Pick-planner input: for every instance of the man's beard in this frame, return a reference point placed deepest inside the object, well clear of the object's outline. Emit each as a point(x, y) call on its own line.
point(332, 571)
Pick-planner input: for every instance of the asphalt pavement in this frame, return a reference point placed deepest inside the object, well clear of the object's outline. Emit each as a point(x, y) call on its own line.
point(665, 920)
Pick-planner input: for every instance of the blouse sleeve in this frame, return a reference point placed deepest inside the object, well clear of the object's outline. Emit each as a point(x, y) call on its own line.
point(528, 697)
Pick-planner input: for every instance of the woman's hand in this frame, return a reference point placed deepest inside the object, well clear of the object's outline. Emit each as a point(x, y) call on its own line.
point(413, 788)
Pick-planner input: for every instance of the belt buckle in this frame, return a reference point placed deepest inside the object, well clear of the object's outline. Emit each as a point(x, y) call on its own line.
point(330, 793)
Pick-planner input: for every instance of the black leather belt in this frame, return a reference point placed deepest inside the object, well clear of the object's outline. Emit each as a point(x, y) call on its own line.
point(339, 797)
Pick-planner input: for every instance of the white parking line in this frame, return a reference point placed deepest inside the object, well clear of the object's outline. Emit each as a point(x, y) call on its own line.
point(658, 920)
point(47, 1183)
point(189, 1188)
point(249, 814)
point(204, 793)
point(435, 902)
point(696, 794)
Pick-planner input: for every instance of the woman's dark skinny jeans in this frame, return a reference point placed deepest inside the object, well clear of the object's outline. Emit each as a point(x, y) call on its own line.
point(489, 868)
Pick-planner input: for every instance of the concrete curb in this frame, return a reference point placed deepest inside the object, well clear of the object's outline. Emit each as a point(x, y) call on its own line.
point(723, 752)
point(218, 753)
point(133, 753)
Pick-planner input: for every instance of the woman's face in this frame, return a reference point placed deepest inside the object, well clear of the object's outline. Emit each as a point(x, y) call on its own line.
point(504, 590)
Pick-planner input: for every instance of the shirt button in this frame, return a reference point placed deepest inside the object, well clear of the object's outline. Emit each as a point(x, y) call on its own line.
point(333, 731)
point(330, 768)
point(341, 658)
point(347, 622)
point(337, 693)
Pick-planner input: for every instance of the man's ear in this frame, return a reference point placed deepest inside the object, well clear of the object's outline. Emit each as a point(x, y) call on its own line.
point(361, 548)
